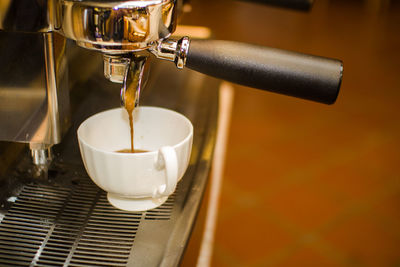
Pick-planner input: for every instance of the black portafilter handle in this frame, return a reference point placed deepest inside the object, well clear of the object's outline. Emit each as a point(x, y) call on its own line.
point(279, 71)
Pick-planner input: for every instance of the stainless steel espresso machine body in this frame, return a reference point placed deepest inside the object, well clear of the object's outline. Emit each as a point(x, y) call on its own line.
point(34, 75)
point(34, 99)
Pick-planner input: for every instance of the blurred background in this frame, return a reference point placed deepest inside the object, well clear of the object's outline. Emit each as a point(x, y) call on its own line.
point(307, 184)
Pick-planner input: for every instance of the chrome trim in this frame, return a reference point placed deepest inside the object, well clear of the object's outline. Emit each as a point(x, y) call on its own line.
point(115, 67)
point(52, 101)
point(41, 154)
point(182, 52)
point(118, 27)
point(172, 50)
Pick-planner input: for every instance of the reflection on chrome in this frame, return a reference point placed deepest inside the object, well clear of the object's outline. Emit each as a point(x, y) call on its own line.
point(118, 27)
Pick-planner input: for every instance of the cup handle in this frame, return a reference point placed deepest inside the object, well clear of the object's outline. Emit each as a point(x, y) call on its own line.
point(167, 160)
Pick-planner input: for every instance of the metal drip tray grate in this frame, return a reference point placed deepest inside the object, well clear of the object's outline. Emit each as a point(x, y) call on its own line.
point(55, 226)
point(164, 211)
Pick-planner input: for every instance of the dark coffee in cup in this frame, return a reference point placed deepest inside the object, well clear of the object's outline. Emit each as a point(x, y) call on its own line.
point(129, 150)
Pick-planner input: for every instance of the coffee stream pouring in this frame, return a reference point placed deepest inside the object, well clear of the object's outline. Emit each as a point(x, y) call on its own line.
point(119, 29)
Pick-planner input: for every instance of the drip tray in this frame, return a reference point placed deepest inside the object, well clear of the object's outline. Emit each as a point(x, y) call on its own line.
point(55, 226)
point(66, 220)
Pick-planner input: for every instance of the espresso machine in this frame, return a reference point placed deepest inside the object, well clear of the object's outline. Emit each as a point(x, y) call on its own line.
point(51, 213)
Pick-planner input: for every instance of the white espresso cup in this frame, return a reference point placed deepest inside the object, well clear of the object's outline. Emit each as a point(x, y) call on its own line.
point(136, 181)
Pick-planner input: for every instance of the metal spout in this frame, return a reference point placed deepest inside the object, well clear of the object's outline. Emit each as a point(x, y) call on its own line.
point(135, 78)
point(115, 67)
point(42, 155)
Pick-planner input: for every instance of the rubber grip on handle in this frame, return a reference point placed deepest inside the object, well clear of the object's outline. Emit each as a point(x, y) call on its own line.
point(284, 72)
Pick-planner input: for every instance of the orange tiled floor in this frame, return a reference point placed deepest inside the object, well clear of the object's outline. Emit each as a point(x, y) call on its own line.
point(307, 184)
